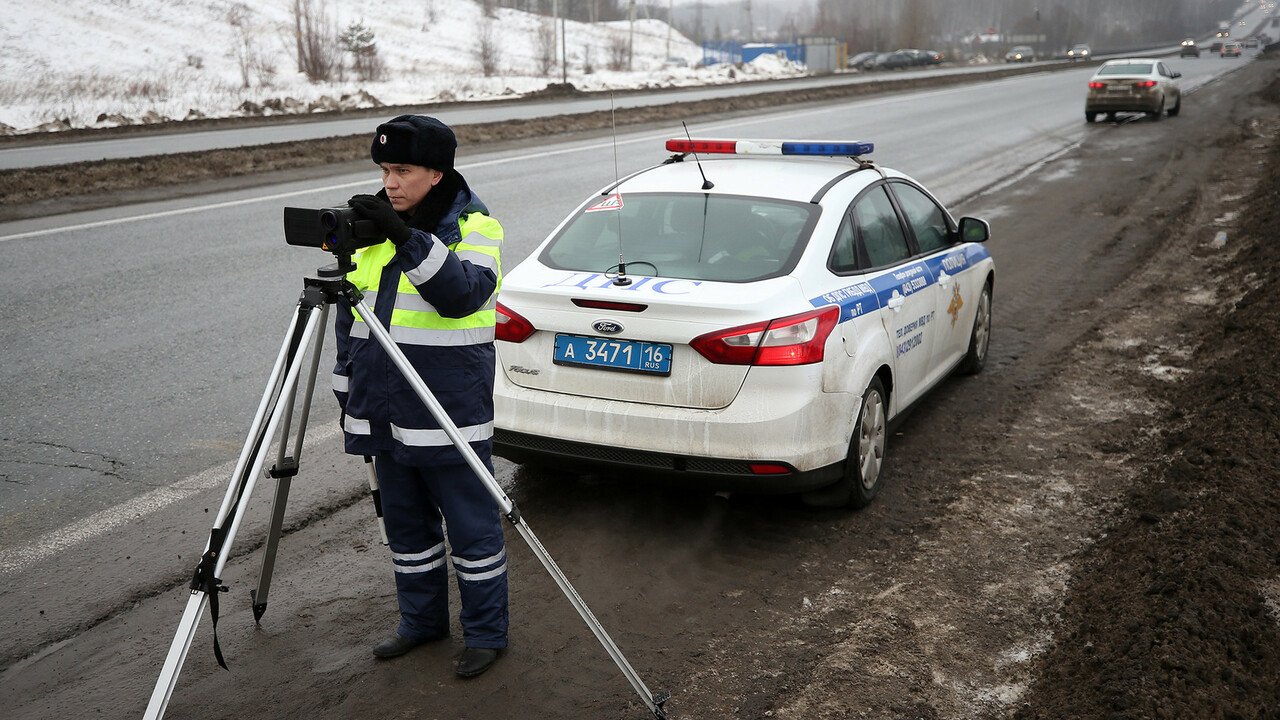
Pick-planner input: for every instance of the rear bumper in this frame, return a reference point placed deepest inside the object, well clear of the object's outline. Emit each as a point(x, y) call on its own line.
point(685, 471)
point(778, 418)
point(1134, 103)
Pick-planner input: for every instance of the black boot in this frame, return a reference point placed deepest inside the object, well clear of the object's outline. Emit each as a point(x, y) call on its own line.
point(475, 661)
point(395, 646)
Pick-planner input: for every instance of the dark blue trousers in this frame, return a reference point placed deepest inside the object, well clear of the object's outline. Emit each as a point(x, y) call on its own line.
point(414, 501)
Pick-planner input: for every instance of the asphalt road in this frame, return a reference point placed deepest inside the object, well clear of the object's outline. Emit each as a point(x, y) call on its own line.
point(138, 339)
point(36, 151)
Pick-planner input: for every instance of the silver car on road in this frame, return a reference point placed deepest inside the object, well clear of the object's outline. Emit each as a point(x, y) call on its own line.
point(1144, 85)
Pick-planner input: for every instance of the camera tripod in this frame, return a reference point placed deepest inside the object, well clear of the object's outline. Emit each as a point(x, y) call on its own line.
point(303, 344)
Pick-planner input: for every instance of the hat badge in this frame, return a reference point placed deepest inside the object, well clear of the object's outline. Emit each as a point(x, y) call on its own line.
point(382, 139)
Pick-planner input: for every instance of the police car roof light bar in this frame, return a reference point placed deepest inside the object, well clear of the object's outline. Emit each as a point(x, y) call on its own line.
point(771, 147)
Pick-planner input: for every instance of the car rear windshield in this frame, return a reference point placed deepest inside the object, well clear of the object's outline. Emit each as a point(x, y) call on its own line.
point(696, 237)
point(1126, 69)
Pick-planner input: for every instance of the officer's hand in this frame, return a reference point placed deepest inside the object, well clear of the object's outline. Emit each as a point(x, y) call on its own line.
point(371, 207)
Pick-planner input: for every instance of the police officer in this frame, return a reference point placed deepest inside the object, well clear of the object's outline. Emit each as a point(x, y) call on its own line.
point(433, 284)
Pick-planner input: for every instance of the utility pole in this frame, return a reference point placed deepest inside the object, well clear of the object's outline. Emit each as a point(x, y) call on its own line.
point(631, 38)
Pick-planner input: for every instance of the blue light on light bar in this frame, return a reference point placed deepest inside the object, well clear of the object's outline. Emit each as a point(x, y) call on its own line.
point(820, 148)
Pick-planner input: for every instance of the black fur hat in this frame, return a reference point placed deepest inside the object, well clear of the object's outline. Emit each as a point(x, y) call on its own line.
point(415, 140)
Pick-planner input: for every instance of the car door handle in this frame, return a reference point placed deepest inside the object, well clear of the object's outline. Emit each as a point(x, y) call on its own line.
point(896, 301)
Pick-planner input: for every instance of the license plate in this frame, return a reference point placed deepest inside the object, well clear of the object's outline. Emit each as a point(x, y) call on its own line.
point(608, 354)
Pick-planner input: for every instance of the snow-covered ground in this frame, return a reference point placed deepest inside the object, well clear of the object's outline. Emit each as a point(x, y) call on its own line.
point(90, 63)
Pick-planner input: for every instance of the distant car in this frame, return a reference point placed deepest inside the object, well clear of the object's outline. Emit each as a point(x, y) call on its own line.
point(914, 56)
point(863, 61)
point(1216, 47)
point(1141, 85)
point(934, 57)
point(766, 331)
point(1231, 50)
point(675, 62)
point(1251, 42)
point(893, 61)
point(1189, 48)
point(1020, 53)
point(1079, 52)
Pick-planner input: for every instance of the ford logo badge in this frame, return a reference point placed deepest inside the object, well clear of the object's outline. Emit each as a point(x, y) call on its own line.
point(607, 327)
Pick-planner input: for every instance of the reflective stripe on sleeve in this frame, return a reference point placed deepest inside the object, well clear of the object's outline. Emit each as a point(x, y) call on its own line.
point(340, 382)
point(479, 259)
point(438, 438)
point(430, 265)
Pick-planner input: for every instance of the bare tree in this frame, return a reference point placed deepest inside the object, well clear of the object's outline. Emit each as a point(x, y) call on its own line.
point(619, 53)
point(487, 49)
point(546, 44)
point(315, 39)
point(238, 17)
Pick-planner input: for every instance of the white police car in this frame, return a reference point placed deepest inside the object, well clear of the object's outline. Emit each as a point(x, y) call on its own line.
point(751, 321)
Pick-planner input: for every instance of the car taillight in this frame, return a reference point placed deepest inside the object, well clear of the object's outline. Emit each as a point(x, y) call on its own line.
point(1097, 85)
point(1145, 84)
point(793, 340)
point(512, 326)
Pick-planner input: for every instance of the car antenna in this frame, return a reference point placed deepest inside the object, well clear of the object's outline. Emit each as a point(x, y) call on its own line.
point(706, 184)
point(621, 278)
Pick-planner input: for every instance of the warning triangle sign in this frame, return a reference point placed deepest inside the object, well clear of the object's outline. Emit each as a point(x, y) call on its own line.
point(613, 202)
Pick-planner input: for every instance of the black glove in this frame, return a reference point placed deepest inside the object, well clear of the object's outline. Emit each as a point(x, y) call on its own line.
point(380, 212)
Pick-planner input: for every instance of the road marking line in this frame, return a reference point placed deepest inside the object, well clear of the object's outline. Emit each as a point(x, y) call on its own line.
point(17, 559)
point(468, 166)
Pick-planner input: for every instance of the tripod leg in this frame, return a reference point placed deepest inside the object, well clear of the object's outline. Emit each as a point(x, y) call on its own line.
point(286, 467)
point(206, 583)
point(259, 595)
point(377, 498)
point(508, 508)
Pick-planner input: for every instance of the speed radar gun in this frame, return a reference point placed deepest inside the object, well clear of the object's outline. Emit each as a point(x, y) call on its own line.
point(341, 232)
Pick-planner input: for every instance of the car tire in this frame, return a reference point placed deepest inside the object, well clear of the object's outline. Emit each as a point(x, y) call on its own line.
point(1090, 116)
point(1177, 108)
point(1111, 117)
point(980, 337)
point(1159, 113)
point(861, 479)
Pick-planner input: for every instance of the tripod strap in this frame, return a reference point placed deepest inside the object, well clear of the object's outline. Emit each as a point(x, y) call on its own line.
point(204, 581)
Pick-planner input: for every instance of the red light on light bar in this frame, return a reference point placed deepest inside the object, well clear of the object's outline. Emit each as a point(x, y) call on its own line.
point(703, 146)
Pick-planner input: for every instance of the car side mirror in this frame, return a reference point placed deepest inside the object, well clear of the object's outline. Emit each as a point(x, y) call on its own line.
point(1175, 74)
point(974, 230)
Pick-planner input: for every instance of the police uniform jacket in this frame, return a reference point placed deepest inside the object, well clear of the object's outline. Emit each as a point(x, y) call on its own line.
point(436, 294)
